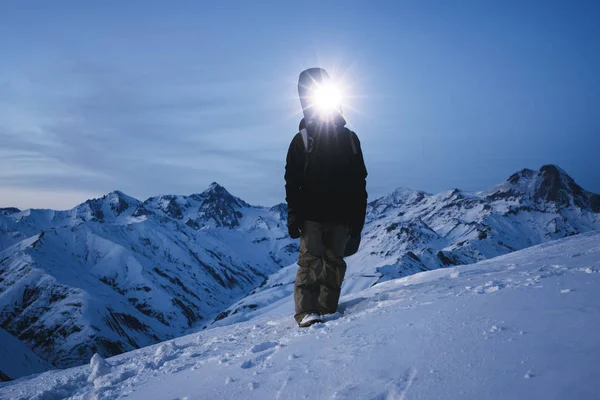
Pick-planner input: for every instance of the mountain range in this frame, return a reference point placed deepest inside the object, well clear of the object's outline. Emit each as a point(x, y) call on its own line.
point(115, 274)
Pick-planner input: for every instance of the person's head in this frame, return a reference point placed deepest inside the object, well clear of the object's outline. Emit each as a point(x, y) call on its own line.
point(319, 97)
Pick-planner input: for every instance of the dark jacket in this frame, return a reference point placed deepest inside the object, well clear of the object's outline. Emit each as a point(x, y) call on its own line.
point(329, 183)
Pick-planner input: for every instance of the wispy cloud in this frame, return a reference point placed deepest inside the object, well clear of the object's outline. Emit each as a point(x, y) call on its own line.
point(90, 128)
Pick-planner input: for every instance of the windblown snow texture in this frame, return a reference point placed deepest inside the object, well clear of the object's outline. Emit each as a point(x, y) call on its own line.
point(115, 274)
point(519, 326)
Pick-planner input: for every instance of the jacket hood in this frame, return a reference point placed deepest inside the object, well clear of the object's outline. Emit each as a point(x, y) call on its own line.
point(306, 84)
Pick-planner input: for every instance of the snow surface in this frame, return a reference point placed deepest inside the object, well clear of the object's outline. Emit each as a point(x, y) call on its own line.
point(524, 325)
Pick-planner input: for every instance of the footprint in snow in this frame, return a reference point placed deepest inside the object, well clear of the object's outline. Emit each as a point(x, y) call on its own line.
point(551, 271)
point(488, 287)
point(257, 361)
point(264, 346)
point(529, 375)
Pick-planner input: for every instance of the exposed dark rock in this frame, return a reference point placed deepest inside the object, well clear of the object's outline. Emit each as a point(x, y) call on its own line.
point(554, 186)
point(187, 311)
point(107, 348)
point(503, 195)
point(595, 203)
point(392, 227)
point(141, 211)
point(220, 206)
point(112, 282)
point(412, 255)
point(558, 187)
point(120, 206)
point(39, 239)
point(444, 259)
point(95, 207)
point(524, 173)
point(222, 315)
point(173, 209)
point(4, 377)
point(9, 211)
point(192, 224)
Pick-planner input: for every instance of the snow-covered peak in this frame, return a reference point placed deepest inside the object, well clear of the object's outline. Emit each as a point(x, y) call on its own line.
point(120, 202)
point(117, 195)
point(551, 184)
point(214, 186)
point(525, 174)
point(170, 205)
point(398, 198)
point(518, 185)
point(107, 208)
point(218, 194)
point(449, 195)
point(218, 207)
point(408, 196)
point(214, 207)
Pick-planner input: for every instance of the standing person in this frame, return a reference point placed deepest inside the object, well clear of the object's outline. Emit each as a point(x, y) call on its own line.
point(325, 177)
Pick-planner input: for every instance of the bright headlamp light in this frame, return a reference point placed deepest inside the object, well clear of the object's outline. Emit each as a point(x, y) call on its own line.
point(326, 99)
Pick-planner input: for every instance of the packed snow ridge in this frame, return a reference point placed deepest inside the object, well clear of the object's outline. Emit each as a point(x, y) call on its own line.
point(115, 274)
point(522, 325)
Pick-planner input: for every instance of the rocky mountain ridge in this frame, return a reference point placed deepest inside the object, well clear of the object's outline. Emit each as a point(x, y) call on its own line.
point(117, 273)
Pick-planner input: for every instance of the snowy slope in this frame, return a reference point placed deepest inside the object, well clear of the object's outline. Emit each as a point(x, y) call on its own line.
point(115, 274)
point(17, 360)
point(520, 326)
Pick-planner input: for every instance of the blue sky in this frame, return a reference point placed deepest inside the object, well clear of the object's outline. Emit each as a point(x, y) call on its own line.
point(166, 97)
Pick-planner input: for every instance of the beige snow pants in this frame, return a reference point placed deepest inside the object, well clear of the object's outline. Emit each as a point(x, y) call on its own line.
point(321, 268)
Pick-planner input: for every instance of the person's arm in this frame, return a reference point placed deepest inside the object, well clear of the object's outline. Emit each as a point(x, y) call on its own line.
point(294, 176)
point(360, 212)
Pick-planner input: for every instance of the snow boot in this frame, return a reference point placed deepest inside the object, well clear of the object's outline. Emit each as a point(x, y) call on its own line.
point(310, 319)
